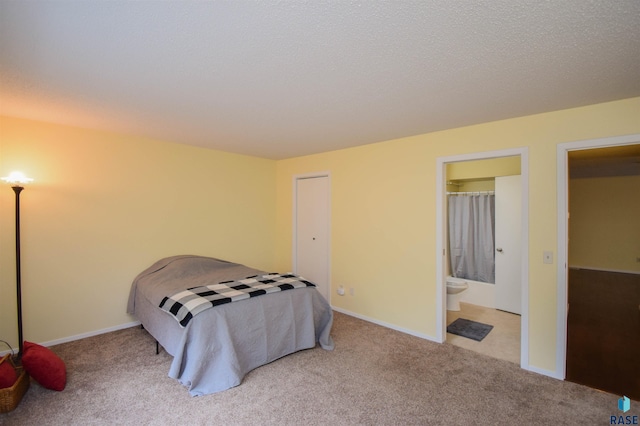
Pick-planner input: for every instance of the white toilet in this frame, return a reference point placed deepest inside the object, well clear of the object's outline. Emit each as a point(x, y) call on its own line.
point(455, 286)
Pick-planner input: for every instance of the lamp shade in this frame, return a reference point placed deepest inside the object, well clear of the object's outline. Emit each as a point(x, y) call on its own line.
point(17, 178)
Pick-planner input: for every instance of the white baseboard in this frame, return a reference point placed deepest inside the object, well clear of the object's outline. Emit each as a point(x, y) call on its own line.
point(384, 324)
point(81, 336)
point(544, 372)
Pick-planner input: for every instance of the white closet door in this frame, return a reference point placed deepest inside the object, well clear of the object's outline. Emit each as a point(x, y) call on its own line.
point(312, 231)
point(508, 244)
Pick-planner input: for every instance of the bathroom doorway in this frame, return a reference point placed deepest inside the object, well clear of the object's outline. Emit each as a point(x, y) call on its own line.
point(478, 181)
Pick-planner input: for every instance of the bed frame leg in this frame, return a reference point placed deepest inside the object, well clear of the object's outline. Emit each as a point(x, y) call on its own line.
point(157, 344)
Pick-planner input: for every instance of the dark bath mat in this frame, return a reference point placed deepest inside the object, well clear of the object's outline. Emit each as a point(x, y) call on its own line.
point(469, 329)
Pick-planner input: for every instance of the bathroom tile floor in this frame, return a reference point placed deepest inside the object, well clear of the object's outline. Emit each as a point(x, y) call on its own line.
point(502, 342)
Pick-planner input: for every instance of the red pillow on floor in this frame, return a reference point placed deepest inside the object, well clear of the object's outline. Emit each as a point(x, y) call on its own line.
point(44, 366)
point(8, 375)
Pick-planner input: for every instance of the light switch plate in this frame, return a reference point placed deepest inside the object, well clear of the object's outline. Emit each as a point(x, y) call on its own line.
point(547, 257)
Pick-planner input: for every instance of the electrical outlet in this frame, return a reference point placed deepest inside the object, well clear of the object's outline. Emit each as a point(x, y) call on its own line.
point(351, 291)
point(341, 291)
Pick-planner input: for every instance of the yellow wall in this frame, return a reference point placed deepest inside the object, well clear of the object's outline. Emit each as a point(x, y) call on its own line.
point(383, 214)
point(604, 229)
point(479, 175)
point(479, 169)
point(104, 206)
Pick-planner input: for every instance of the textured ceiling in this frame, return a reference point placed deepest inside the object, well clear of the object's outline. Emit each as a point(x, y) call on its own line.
point(280, 79)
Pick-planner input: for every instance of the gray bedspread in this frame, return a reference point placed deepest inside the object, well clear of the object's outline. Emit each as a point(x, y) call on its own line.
point(222, 344)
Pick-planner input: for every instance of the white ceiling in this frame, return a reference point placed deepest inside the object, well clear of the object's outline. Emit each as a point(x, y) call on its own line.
point(280, 79)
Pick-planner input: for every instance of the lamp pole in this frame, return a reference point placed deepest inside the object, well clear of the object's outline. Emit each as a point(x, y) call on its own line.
point(17, 180)
point(17, 189)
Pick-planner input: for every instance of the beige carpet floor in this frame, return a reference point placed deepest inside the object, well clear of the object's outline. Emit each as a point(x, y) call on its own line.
point(375, 376)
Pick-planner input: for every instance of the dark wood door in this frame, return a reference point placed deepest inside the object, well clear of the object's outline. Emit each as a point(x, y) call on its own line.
point(603, 331)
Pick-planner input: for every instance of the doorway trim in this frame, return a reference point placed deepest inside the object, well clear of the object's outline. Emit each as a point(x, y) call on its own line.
point(294, 244)
point(441, 293)
point(563, 234)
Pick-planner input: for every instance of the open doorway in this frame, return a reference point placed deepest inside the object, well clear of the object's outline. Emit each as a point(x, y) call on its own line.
point(476, 310)
point(603, 274)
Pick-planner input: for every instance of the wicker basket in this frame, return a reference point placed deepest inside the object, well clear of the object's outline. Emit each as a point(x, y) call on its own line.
point(11, 397)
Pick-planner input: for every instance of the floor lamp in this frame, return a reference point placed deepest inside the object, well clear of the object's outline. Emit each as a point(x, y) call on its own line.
point(17, 181)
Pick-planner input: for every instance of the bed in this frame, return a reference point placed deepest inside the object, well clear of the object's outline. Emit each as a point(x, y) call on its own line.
point(220, 345)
